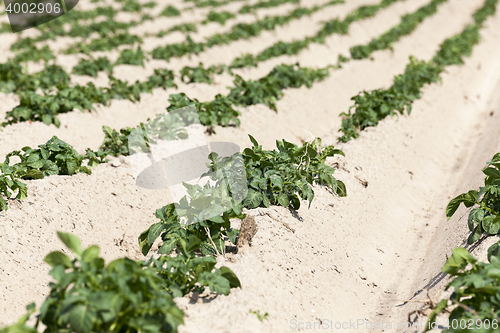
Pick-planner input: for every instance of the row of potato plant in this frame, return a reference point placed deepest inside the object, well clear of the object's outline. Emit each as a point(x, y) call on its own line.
point(127, 295)
point(93, 297)
point(371, 107)
point(237, 32)
point(266, 90)
point(107, 42)
point(281, 177)
point(474, 305)
point(331, 27)
point(105, 28)
point(408, 24)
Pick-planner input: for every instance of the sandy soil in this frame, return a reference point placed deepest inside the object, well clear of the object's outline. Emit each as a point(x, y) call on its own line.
point(347, 260)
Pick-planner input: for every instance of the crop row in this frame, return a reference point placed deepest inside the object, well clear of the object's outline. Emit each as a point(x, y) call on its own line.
point(89, 297)
point(474, 304)
point(110, 26)
point(371, 107)
point(266, 90)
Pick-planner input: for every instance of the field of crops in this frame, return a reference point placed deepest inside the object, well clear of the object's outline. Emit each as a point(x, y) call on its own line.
point(362, 127)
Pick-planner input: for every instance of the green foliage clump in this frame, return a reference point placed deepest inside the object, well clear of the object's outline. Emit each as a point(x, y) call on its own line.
point(184, 28)
point(104, 43)
point(486, 217)
point(277, 177)
point(276, 50)
point(13, 78)
point(219, 17)
point(131, 6)
point(131, 57)
point(46, 107)
point(455, 48)
point(269, 89)
point(5, 27)
point(178, 50)
point(104, 28)
point(55, 157)
point(88, 296)
point(249, 30)
point(116, 143)
point(210, 3)
point(187, 273)
point(220, 111)
point(246, 9)
point(337, 26)
point(34, 54)
point(123, 90)
point(284, 176)
point(476, 286)
point(92, 67)
point(170, 11)
point(162, 78)
point(200, 74)
point(35, 107)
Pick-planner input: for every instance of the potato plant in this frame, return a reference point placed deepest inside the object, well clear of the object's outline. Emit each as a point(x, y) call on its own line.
point(277, 177)
point(200, 74)
point(89, 296)
point(170, 11)
point(219, 17)
point(92, 67)
point(55, 157)
point(474, 305)
point(269, 89)
point(485, 218)
point(246, 9)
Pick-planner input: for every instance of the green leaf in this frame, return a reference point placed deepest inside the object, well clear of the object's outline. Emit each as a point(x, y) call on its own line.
point(90, 253)
point(494, 252)
point(468, 199)
point(253, 199)
point(254, 142)
point(459, 259)
point(80, 317)
point(232, 234)
point(491, 172)
point(72, 242)
point(491, 224)
point(167, 247)
point(58, 258)
point(155, 231)
point(265, 201)
point(227, 273)
point(475, 235)
point(475, 217)
point(217, 283)
point(144, 244)
point(283, 200)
